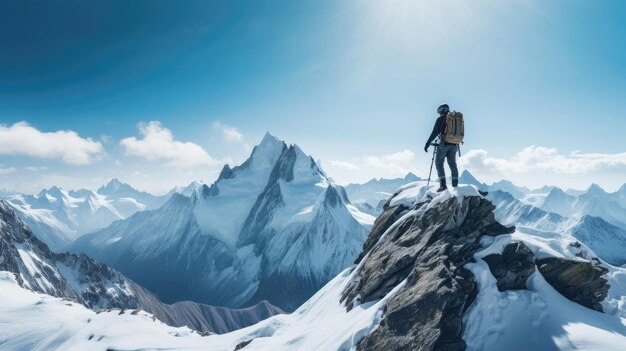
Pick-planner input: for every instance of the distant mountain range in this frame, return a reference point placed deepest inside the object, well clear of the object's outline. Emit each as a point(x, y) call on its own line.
point(369, 197)
point(57, 217)
point(263, 229)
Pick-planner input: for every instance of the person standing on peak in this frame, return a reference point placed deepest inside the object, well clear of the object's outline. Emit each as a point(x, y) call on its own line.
point(449, 127)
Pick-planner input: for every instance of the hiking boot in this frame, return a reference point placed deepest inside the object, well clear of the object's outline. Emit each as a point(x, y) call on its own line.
point(455, 183)
point(442, 186)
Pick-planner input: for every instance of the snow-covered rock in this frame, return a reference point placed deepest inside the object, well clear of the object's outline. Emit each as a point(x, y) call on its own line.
point(274, 228)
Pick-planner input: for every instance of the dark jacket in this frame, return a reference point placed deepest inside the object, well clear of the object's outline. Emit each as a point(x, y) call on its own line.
point(439, 128)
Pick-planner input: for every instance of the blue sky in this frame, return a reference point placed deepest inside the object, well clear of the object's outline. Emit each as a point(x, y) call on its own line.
point(355, 83)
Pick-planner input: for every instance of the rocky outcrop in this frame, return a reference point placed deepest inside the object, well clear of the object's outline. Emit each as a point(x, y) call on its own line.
point(513, 267)
point(382, 223)
point(423, 248)
point(579, 281)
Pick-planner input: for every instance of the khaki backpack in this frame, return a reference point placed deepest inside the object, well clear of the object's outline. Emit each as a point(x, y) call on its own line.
point(455, 128)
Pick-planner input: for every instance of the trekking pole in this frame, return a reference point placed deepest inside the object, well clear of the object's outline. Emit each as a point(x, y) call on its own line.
point(431, 163)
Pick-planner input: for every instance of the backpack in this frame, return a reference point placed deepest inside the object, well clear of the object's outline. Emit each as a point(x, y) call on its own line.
point(454, 129)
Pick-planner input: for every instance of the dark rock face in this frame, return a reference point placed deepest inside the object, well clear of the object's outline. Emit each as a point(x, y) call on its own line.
point(226, 173)
point(243, 344)
point(579, 281)
point(382, 223)
point(428, 248)
point(513, 267)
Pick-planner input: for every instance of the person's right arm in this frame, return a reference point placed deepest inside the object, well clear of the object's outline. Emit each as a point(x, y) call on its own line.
point(435, 132)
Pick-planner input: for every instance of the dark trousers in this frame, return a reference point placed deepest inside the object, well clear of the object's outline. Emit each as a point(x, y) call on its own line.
point(448, 152)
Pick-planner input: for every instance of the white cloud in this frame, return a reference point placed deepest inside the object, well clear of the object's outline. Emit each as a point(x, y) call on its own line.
point(537, 158)
point(345, 165)
point(229, 133)
point(158, 144)
point(402, 161)
point(364, 168)
point(22, 139)
point(7, 170)
point(105, 139)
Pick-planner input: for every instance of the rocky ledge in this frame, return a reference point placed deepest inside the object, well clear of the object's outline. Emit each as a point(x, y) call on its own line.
point(423, 246)
point(417, 250)
point(513, 267)
point(579, 281)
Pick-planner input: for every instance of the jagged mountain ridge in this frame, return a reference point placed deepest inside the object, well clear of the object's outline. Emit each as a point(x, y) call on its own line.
point(81, 279)
point(594, 202)
point(273, 228)
point(57, 217)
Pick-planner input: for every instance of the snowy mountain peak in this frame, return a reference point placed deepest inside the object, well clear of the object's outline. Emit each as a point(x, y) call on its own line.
point(410, 177)
point(190, 189)
point(176, 202)
point(467, 178)
point(595, 189)
point(115, 186)
point(557, 193)
point(265, 154)
point(226, 173)
point(268, 138)
point(54, 191)
point(114, 183)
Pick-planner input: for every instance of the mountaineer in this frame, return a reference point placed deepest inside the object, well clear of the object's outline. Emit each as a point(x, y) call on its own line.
point(449, 128)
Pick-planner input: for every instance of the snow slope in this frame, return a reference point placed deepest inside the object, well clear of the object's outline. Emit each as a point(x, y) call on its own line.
point(34, 321)
point(320, 324)
point(539, 318)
